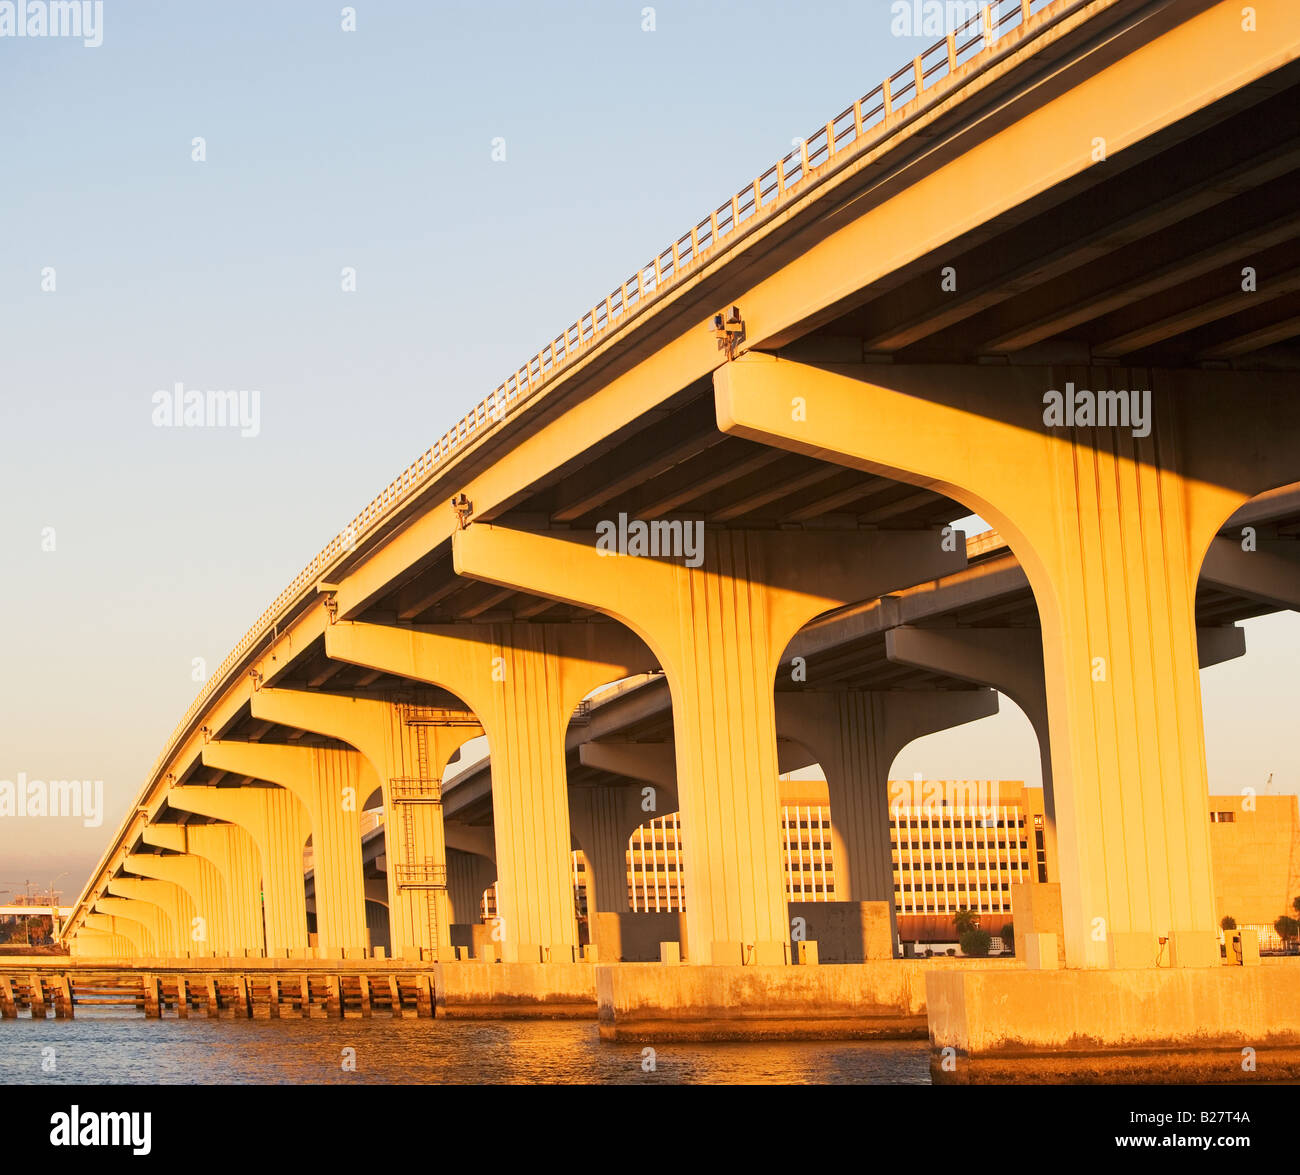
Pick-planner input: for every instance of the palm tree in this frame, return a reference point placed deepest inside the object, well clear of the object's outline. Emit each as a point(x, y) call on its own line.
point(1287, 928)
point(1228, 922)
point(964, 920)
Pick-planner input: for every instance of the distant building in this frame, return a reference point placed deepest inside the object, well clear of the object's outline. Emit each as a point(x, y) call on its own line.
point(1255, 847)
point(955, 844)
point(963, 844)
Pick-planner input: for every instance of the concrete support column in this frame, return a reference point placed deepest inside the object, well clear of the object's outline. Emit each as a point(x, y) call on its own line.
point(207, 933)
point(124, 936)
point(408, 748)
point(718, 631)
point(604, 818)
point(277, 824)
point(331, 785)
point(198, 924)
point(855, 735)
point(523, 681)
point(174, 911)
point(96, 939)
point(172, 934)
point(468, 875)
point(1011, 661)
point(1111, 528)
point(230, 875)
point(143, 924)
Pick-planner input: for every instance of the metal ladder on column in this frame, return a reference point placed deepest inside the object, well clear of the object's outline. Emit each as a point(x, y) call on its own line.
point(406, 792)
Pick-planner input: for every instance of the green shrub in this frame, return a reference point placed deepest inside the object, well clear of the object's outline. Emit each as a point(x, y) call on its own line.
point(976, 943)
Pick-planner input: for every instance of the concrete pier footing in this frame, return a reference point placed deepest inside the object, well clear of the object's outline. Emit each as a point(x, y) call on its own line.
point(515, 991)
point(1168, 1025)
point(882, 999)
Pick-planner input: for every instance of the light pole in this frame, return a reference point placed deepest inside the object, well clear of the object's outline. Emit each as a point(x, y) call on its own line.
point(54, 906)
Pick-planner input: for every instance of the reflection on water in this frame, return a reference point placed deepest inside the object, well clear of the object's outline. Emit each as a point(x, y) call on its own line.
point(111, 1047)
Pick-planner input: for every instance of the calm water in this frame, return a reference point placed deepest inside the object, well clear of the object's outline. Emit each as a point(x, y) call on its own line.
point(112, 1047)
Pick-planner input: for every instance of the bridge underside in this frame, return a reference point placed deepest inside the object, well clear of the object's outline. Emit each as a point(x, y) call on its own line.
point(896, 339)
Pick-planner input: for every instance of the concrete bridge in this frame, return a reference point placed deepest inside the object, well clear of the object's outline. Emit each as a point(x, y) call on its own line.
point(1047, 273)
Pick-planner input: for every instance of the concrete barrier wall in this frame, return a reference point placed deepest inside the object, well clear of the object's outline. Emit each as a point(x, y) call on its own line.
point(845, 932)
point(515, 990)
point(877, 999)
point(978, 1012)
point(635, 938)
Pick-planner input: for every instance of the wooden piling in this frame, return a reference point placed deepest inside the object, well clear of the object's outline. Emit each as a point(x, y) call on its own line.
point(8, 1005)
point(152, 997)
point(62, 997)
point(36, 989)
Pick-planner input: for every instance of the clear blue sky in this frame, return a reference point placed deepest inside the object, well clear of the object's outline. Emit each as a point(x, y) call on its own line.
point(369, 149)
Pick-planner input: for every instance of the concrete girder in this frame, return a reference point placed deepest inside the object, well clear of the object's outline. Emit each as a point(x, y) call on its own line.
point(1269, 571)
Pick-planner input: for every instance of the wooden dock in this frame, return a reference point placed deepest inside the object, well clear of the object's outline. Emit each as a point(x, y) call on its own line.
point(253, 989)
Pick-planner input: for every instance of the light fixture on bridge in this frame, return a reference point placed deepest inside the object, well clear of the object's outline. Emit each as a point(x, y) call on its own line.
point(728, 329)
point(464, 509)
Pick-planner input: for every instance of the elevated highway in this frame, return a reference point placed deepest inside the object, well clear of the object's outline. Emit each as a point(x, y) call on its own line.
point(1046, 273)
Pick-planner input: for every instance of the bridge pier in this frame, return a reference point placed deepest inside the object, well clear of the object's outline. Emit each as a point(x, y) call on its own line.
point(332, 785)
point(468, 875)
point(855, 736)
point(137, 922)
point(206, 929)
point(718, 630)
point(1011, 661)
point(604, 817)
point(523, 681)
point(175, 909)
point(277, 825)
point(118, 941)
point(409, 756)
point(1111, 528)
point(228, 867)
